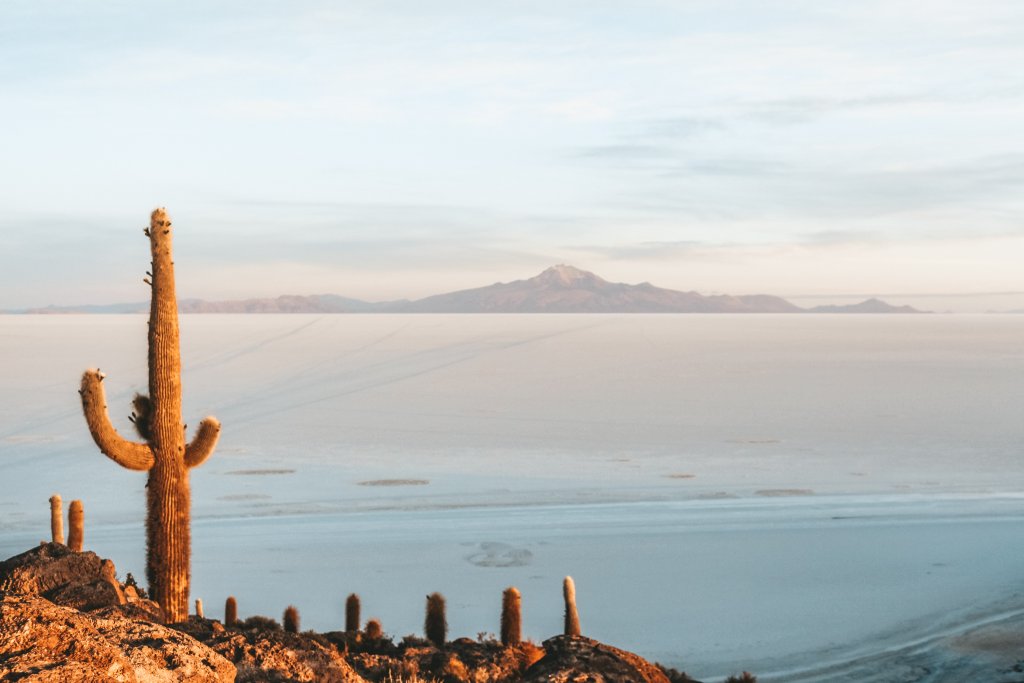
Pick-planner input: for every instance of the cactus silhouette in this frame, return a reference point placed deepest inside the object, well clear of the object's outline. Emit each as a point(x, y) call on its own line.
point(291, 619)
point(435, 625)
point(572, 617)
point(57, 518)
point(511, 617)
point(230, 611)
point(352, 613)
point(76, 526)
point(164, 454)
point(374, 630)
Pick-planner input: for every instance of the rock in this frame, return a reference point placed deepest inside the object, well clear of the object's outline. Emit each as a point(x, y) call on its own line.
point(46, 567)
point(159, 653)
point(42, 642)
point(572, 659)
point(279, 656)
point(62, 576)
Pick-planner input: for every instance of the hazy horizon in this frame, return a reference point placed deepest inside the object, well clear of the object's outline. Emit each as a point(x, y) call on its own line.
point(390, 150)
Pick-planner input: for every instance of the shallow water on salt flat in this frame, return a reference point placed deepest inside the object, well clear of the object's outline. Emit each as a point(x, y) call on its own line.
point(761, 491)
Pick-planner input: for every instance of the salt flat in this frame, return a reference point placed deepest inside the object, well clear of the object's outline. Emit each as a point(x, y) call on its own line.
point(776, 493)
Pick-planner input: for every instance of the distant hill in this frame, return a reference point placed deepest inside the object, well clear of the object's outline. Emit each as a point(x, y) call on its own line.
point(559, 289)
point(868, 306)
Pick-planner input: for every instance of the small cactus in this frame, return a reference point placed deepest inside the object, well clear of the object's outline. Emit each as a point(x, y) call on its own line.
point(57, 518)
point(435, 626)
point(511, 617)
point(199, 609)
point(352, 613)
point(291, 619)
point(76, 522)
point(230, 611)
point(572, 617)
point(374, 630)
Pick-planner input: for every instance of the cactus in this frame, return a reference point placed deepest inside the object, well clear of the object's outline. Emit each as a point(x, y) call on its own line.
point(435, 626)
point(57, 519)
point(572, 617)
point(76, 526)
point(199, 609)
point(291, 619)
point(164, 453)
point(511, 617)
point(352, 613)
point(230, 611)
point(374, 630)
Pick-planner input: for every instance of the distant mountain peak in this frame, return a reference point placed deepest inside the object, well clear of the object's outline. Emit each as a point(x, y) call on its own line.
point(566, 275)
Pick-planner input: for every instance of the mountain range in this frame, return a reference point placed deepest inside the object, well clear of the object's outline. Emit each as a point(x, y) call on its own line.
point(559, 289)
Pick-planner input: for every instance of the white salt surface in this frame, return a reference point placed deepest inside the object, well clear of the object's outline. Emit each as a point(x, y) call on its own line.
point(805, 497)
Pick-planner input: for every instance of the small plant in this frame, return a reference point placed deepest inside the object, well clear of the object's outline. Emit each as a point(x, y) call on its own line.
point(76, 522)
point(572, 617)
point(676, 676)
point(57, 519)
point(352, 613)
point(260, 623)
point(374, 630)
point(291, 619)
point(199, 609)
point(745, 677)
point(230, 611)
point(435, 626)
point(511, 617)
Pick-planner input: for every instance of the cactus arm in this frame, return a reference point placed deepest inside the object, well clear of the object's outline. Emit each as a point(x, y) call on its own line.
point(203, 443)
point(127, 454)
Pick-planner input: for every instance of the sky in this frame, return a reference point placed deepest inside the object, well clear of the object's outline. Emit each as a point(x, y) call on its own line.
point(814, 149)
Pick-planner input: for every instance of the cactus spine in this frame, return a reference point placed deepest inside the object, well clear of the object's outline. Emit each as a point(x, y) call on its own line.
point(164, 454)
point(352, 613)
point(435, 625)
point(230, 611)
point(291, 619)
point(57, 518)
point(76, 526)
point(511, 617)
point(572, 617)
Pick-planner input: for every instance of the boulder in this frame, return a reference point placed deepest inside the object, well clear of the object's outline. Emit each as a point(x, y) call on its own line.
point(64, 577)
point(574, 659)
point(43, 643)
point(159, 653)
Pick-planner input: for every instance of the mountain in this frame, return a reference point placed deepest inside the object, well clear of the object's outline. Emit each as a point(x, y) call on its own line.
point(559, 289)
point(564, 289)
point(867, 306)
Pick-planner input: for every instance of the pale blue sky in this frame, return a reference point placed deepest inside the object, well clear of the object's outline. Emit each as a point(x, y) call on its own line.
point(388, 149)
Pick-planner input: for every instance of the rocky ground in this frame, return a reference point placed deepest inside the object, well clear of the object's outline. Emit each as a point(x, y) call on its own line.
point(64, 616)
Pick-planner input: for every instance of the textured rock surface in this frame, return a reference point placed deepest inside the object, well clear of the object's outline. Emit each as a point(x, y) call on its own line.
point(582, 660)
point(40, 641)
point(49, 567)
point(279, 656)
point(43, 642)
point(159, 653)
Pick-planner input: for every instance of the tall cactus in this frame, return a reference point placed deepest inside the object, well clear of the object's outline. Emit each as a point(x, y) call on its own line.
point(164, 453)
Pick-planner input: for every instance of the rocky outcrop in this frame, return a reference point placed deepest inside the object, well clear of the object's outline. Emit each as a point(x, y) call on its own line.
point(65, 617)
point(43, 643)
point(574, 658)
point(279, 656)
